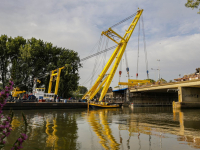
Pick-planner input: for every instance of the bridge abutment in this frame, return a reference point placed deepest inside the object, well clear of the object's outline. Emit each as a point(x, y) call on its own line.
point(188, 97)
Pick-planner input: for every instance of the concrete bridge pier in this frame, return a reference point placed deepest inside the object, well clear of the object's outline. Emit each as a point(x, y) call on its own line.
point(188, 97)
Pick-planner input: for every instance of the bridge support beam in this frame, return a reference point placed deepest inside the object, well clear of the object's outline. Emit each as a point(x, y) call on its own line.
point(188, 97)
point(180, 95)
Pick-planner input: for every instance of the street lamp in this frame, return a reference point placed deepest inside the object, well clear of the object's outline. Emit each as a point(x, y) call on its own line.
point(158, 69)
point(155, 74)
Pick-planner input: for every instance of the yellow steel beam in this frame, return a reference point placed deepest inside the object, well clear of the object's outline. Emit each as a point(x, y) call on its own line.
point(94, 93)
point(117, 34)
point(126, 83)
point(138, 81)
point(105, 33)
point(57, 80)
point(52, 73)
point(55, 74)
point(119, 56)
point(98, 81)
point(50, 81)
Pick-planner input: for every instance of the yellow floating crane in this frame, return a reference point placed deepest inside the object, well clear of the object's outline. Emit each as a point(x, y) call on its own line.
point(117, 55)
point(56, 73)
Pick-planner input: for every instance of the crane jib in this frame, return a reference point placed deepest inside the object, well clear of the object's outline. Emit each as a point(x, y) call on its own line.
point(117, 55)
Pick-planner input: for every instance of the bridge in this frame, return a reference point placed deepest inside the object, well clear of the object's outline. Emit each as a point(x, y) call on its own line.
point(188, 92)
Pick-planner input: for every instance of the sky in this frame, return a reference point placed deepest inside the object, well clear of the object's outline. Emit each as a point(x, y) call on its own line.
point(172, 33)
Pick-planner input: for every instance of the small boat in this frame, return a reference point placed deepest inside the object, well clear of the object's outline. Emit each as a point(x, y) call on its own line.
point(96, 106)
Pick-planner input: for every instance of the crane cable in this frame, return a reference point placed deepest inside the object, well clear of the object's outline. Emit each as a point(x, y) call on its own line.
point(145, 51)
point(98, 63)
point(88, 57)
point(131, 16)
point(120, 69)
point(96, 59)
point(104, 43)
point(98, 53)
point(106, 46)
point(127, 68)
point(138, 49)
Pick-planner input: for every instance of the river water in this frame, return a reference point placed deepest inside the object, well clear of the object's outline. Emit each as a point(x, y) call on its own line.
point(140, 128)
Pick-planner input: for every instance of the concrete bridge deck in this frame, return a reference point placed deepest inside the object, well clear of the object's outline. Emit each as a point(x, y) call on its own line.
point(165, 87)
point(188, 92)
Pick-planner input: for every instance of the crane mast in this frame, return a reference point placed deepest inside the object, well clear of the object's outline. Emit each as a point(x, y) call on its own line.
point(118, 53)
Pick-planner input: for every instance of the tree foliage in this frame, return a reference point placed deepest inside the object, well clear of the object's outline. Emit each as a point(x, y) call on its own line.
point(151, 81)
point(82, 89)
point(79, 92)
point(23, 60)
point(193, 4)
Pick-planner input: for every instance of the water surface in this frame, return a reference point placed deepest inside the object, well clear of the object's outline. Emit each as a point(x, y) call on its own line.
point(158, 128)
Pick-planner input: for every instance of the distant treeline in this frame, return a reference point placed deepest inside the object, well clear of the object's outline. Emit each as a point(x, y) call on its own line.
point(25, 59)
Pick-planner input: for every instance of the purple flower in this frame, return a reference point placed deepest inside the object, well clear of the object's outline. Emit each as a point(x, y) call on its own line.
point(24, 136)
point(20, 140)
point(19, 147)
point(8, 118)
point(2, 126)
point(8, 133)
point(7, 126)
point(7, 94)
point(11, 83)
point(2, 92)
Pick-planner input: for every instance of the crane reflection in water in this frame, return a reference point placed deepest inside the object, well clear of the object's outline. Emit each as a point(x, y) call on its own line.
point(99, 122)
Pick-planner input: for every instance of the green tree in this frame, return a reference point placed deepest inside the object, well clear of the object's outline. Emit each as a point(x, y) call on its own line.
point(82, 89)
point(80, 92)
point(4, 57)
point(151, 81)
point(24, 60)
point(162, 81)
point(193, 4)
point(69, 76)
point(13, 46)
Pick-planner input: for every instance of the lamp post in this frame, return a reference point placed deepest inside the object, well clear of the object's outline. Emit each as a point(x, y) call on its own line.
point(155, 74)
point(158, 69)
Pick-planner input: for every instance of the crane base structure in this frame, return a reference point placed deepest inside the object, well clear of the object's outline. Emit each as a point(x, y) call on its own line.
point(104, 105)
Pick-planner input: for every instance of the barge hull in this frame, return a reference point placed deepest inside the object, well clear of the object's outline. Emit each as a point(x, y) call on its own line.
point(36, 105)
